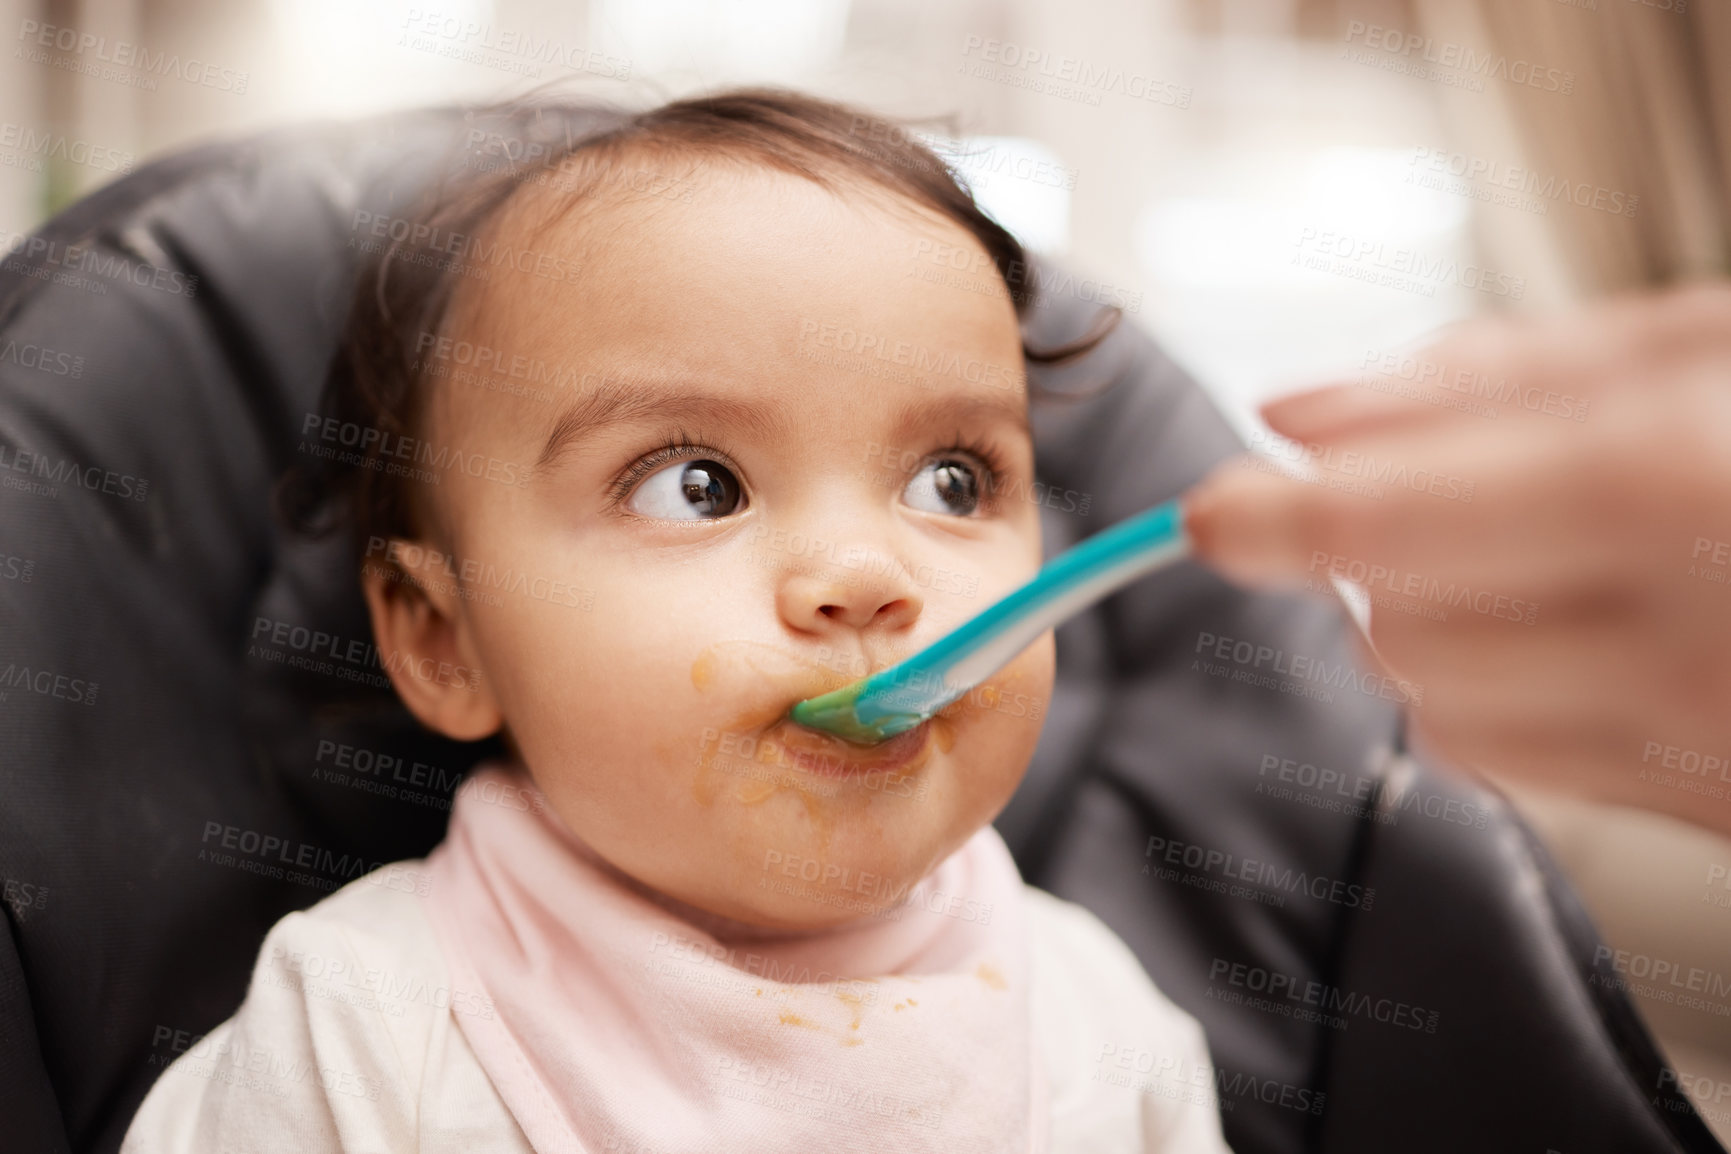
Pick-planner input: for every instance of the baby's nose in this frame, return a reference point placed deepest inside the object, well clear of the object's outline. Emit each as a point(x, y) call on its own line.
point(878, 593)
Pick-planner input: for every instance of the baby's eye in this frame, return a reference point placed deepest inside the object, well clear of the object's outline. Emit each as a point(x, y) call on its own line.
point(688, 491)
point(945, 485)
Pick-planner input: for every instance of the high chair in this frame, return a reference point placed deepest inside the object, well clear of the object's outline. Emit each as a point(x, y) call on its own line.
point(189, 748)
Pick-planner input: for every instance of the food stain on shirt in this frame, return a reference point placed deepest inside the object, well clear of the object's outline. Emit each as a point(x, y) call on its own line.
point(991, 977)
point(855, 1003)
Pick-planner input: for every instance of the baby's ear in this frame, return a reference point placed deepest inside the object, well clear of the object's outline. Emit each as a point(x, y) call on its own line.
point(423, 639)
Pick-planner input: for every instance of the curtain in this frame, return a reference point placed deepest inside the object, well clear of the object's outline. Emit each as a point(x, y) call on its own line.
point(1649, 116)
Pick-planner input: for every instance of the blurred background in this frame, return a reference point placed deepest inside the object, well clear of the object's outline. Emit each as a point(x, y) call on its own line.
point(1282, 191)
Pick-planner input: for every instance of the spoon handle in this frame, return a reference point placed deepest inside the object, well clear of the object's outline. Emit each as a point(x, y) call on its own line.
point(897, 699)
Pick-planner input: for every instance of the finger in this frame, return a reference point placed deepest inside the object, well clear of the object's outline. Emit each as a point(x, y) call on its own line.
point(1532, 510)
point(1464, 373)
point(1518, 368)
point(1580, 673)
point(1568, 661)
point(1340, 409)
point(1637, 340)
point(1509, 508)
point(1544, 509)
point(1383, 504)
point(1403, 390)
point(1489, 372)
point(1584, 760)
point(1256, 525)
point(1591, 758)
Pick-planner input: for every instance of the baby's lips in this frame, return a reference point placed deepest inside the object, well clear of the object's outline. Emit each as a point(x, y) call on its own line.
point(795, 737)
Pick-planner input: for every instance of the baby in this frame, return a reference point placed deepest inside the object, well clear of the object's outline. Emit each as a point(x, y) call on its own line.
point(737, 453)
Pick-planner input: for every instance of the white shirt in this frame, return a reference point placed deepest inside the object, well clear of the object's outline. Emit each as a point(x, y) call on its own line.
point(349, 1039)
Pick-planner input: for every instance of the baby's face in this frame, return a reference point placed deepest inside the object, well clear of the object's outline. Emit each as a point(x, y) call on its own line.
point(778, 462)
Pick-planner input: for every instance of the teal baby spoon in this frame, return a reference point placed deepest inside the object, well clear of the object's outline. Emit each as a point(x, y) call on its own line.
point(896, 699)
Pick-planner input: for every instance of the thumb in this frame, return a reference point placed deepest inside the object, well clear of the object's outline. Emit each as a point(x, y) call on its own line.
point(1259, 528)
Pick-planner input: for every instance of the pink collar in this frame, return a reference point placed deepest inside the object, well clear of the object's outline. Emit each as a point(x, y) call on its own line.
point(620, 1025)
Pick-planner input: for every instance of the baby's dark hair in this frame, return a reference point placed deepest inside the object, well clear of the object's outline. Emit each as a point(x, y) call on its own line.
point(378, 380)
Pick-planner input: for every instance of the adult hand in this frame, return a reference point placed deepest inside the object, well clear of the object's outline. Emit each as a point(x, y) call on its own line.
point(1541, 512)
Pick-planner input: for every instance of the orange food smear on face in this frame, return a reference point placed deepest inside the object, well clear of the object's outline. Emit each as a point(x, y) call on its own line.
point(702, 784)
point(767, 663)
point(769, 677)
point(820, 817)
point(753, 792)
point(782, 669)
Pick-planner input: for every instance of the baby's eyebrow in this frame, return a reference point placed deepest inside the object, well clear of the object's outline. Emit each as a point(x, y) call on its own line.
point(964, 409)
point(615, 404)
point(620, 403)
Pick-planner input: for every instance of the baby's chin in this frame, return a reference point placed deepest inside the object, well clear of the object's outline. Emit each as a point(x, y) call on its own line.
point(807, 849)
point(760, 820)
point(811, 887)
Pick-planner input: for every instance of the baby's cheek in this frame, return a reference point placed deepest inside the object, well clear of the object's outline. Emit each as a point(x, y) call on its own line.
point(1000, 720)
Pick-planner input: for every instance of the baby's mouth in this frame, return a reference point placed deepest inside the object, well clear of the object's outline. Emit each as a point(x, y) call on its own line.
point(828, 755)
point(766, 681)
